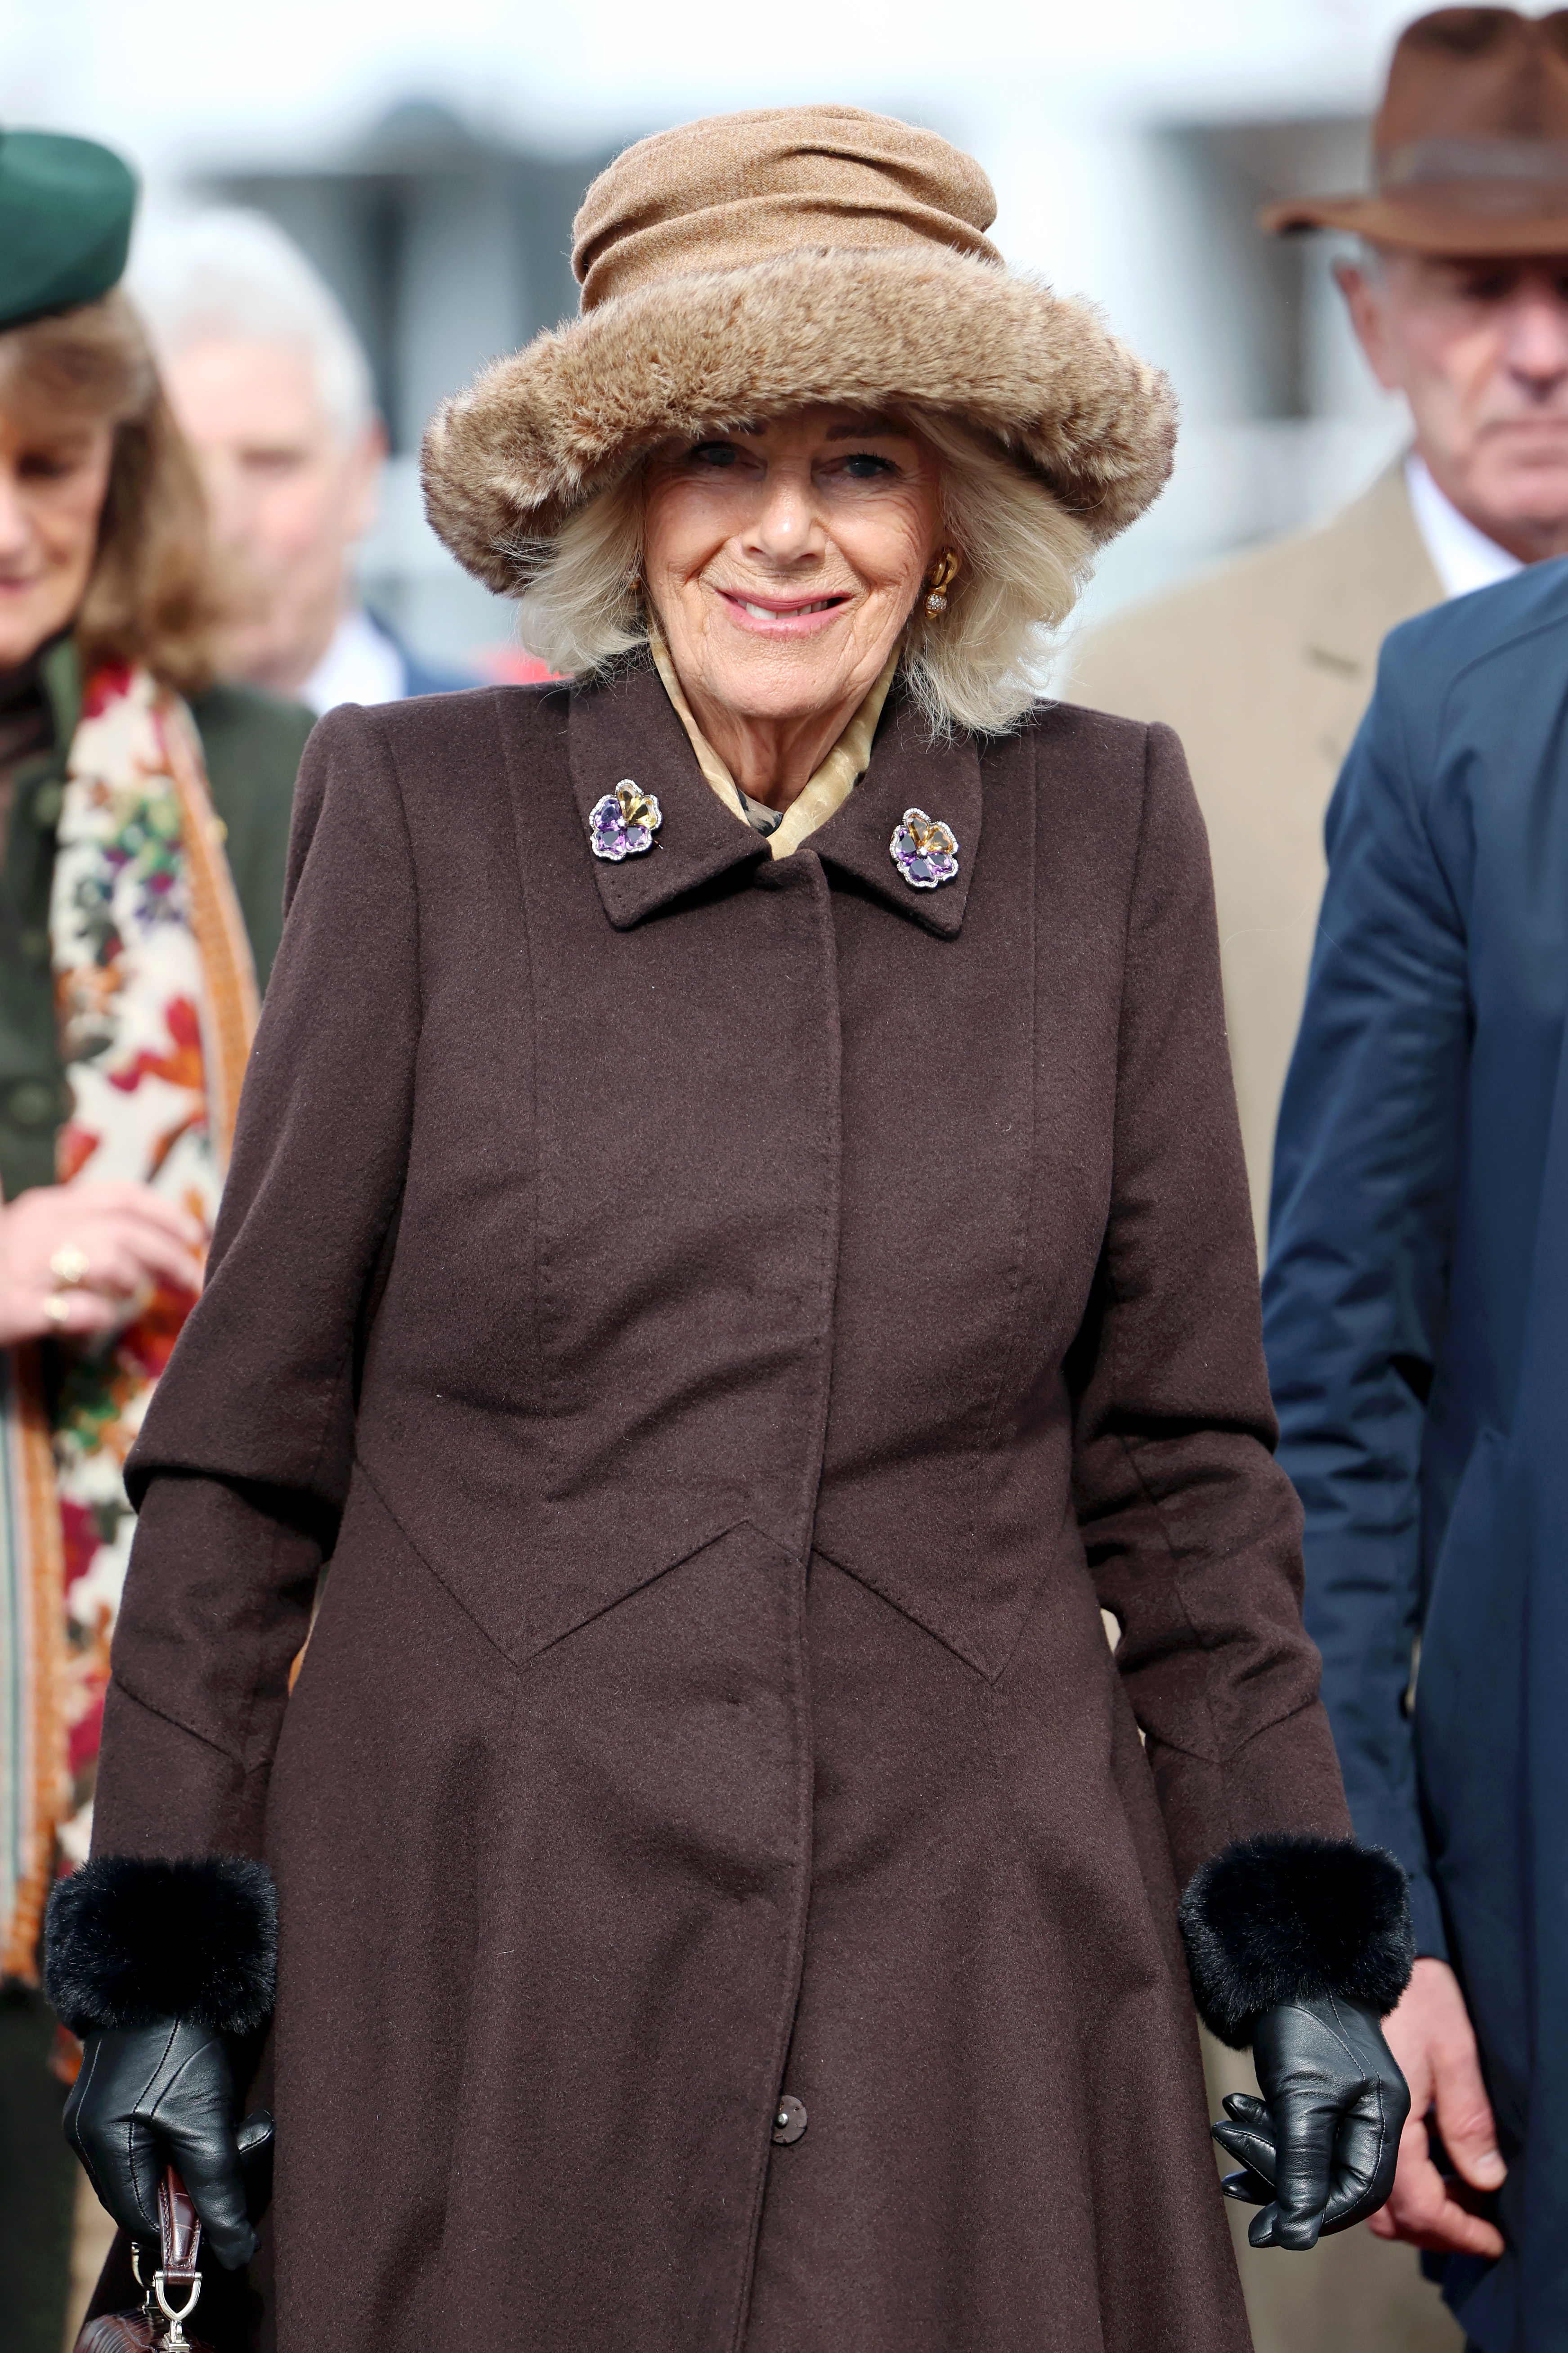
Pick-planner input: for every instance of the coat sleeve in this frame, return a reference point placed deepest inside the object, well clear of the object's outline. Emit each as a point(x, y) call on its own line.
point(1191, 1530)
point(241, 1470)
point(1366, 1180)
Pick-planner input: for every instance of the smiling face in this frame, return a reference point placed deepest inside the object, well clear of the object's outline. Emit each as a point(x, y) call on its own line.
point(1480, 348)
point(53, 480)
point(783, 564)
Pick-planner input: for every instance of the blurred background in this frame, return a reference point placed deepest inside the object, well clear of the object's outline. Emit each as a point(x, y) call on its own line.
point(429, 155)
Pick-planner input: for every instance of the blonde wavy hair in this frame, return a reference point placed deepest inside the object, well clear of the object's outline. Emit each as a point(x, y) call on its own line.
point(151, 596)
point(976, 668)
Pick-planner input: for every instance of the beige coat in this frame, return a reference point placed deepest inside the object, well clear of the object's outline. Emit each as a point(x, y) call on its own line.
point(1264, 669)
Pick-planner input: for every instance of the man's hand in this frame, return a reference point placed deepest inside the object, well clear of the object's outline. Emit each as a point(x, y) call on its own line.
point(113, 1241)
point(1431, 2036)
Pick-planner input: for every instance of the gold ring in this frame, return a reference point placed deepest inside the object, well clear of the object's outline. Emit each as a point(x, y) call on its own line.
point(68, 1265)
point(57, 1307)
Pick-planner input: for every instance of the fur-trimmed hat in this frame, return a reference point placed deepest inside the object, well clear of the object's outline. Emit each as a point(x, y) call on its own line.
point(750, 264)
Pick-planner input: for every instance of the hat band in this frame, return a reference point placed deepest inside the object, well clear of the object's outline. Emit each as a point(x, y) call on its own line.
point(1511, 168)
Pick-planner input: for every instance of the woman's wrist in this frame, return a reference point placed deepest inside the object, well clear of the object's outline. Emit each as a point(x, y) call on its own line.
point(129, 1941)
point(1289, 1918)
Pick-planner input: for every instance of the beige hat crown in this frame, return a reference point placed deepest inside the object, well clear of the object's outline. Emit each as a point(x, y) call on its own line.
point(730, 190)
point(750, 264)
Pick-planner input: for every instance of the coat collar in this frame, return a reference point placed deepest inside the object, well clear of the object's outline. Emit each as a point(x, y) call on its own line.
point(628, 728)
point(907, 771)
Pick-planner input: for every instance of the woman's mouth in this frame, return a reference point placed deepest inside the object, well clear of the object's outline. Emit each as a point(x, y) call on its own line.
point(782, 616)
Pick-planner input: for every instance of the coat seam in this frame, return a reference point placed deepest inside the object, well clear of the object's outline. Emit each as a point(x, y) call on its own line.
point(120, 1683)
point(847, 1568)
point(831, 1159)
point(344, 1371)
point(1222, 1758)
point(795, 1613)
point(1199, 1643)
point(431, 1570)
point(548, 1413)
point(990, 1701)
point(1069, 1516)
point(618, 1600)
point(1028, 1190)
point(253, 1700)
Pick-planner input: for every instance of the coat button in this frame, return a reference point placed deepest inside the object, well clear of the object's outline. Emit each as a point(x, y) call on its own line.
point(789, 2120)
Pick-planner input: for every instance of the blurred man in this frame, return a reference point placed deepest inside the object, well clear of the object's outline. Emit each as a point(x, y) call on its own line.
point(1460, 301)
point(272, 388)
point(1417, 1323)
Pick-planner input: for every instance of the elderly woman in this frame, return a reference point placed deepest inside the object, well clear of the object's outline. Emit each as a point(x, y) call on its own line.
point(737, 1251)
point(134, 929)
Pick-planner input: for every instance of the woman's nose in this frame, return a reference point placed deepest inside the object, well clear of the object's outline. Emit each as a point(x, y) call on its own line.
point(785, 527)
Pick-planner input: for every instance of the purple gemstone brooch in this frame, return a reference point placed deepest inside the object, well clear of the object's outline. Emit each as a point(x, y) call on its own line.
point(925, 851)
point(624, 823)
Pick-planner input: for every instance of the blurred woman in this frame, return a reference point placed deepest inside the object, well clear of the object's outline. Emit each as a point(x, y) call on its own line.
point(143, 818)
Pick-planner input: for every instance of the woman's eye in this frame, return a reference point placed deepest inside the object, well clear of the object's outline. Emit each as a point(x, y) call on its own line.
point(866, 465)
point(713, 453)
point(44, 466)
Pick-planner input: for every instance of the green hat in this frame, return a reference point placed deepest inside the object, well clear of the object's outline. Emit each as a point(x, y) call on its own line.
point(65, 222)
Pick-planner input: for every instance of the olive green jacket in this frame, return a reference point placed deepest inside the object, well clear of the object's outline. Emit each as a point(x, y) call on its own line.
point(252, 744)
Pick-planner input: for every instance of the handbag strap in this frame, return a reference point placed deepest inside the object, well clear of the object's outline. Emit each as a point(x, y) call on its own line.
point(180, 2227)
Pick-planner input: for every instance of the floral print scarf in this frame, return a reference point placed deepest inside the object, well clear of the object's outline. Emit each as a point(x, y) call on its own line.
point(155, 996)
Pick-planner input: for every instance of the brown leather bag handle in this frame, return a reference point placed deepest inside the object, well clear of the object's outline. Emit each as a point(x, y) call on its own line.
point(170, 2293)
point(180, 2228)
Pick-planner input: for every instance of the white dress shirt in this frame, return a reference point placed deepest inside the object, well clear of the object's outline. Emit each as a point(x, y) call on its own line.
point(360, 665)
point(1462, 557)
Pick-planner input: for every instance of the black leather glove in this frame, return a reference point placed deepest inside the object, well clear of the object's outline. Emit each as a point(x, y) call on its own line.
point(149, 2096)
point(1319, 2148)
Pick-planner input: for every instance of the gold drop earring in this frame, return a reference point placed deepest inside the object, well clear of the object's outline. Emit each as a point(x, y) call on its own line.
point(945, 572)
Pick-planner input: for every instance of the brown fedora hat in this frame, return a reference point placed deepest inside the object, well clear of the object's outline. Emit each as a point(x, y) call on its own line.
point(1469, 151)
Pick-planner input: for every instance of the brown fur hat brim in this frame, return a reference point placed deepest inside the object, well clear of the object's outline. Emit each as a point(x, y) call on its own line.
point(506, 462)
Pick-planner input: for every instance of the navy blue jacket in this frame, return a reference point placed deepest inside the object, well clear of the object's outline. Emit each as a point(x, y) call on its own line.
point(1417, 1323)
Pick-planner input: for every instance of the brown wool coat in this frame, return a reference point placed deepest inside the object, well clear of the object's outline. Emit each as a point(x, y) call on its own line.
point(748, 1314)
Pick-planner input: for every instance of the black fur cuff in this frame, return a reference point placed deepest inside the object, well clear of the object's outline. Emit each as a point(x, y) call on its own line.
point(1275, 1918)
point(127, 1943)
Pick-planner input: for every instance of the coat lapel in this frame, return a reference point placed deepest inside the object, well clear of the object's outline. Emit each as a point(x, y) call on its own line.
point(1372, 571)
point(908, 771)
point(629, 730)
